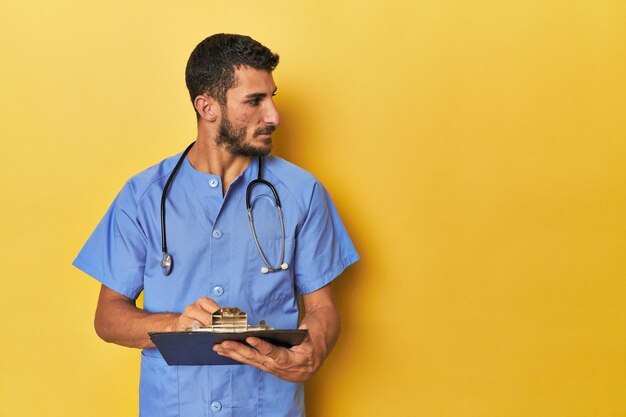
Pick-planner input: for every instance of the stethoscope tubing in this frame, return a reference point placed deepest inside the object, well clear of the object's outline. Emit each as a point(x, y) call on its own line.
point(165, 192)
point(268, 267)
point(167, 261)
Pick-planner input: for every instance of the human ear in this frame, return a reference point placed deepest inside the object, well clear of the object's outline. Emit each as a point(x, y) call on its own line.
point(205, 106)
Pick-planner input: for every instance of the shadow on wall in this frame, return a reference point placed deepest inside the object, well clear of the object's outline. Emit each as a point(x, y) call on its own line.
point(332, 376)
point(291, 142)
point(290, 132)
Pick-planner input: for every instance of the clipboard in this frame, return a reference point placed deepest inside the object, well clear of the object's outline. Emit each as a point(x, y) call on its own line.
point(194, 346)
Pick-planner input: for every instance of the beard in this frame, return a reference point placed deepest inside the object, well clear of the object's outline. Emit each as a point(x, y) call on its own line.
point(234, 138)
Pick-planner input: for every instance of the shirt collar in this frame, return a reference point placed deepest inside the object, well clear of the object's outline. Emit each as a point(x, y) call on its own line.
point(203, 180)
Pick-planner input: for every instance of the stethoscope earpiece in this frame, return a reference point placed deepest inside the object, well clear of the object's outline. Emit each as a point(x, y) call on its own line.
point(283, 266)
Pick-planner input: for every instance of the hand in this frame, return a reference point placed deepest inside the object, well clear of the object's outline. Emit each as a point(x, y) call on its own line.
point(201, 311)
point(297, 364)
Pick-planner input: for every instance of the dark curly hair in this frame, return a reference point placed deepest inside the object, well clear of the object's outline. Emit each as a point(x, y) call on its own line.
point(211, 65)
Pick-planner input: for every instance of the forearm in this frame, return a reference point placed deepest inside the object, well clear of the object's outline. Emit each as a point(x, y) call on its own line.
point(121, 322)
point(323, 325)
point(118, 320)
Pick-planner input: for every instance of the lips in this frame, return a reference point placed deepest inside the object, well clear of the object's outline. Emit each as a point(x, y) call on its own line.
point(265, 131)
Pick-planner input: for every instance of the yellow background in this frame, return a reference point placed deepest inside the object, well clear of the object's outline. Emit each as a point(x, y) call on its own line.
point(475, 149)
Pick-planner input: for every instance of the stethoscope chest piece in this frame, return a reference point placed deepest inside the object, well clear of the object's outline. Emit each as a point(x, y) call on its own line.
point(166, 264)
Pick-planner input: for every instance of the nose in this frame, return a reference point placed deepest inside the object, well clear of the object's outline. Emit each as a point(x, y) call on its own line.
point(271, 116)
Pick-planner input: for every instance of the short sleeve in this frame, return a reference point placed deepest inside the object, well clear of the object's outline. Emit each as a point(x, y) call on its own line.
point(115, 253)
point(323, 248)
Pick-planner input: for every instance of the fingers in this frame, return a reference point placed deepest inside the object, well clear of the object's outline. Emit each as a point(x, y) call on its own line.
point(265, 348)
point(238, 351)
point(208, 304)
point(288, 364)
point(200, 311)
point(261, 352)
point(242, 353)
point(284, 364)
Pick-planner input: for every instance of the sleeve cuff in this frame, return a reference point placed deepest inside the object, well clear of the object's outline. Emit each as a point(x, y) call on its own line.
point(130, 292)
point(329, 276)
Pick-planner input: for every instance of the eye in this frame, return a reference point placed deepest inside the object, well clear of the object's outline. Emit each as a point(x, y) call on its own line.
point(254, 101)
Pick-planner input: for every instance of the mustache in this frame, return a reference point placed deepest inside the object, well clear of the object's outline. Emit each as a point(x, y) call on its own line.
point(267, 130)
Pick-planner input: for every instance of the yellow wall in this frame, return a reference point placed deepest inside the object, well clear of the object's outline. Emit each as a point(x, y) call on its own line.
point(476, 150)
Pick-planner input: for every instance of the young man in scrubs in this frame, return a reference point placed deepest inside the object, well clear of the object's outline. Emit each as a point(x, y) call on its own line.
point(216, 260)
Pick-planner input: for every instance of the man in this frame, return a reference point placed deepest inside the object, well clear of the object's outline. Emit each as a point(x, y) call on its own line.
point(215, 258)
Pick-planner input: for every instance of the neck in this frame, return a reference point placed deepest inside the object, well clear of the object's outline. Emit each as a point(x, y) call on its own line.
point(206, 156)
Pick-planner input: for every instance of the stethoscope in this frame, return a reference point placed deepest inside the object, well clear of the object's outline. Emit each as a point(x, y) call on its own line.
point(168, 262)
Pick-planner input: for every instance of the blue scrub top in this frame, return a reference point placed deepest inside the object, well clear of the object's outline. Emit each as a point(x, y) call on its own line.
point(209, 238)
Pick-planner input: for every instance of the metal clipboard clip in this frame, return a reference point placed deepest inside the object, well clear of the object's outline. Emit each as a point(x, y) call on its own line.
point(229, 320)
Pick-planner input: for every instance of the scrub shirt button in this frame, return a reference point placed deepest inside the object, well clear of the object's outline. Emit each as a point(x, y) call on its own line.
point(217, 290)
point(216, 406)
point(214, 183)
point(217, 233)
